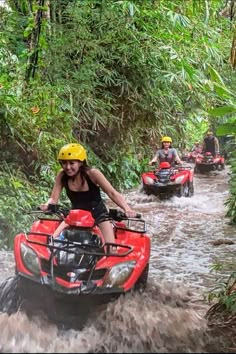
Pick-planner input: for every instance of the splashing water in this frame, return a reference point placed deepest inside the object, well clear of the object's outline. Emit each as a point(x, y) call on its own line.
point(169, 315)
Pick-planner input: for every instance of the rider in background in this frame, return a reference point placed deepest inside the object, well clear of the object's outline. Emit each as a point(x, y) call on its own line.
point(166, 153)
point(83, 185)
point(197, 147)
point(211, 144)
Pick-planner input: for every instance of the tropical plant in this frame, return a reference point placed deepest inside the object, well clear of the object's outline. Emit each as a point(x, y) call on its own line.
point(114, 75)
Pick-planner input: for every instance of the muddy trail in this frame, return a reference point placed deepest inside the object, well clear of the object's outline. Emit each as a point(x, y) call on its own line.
point(188, 236)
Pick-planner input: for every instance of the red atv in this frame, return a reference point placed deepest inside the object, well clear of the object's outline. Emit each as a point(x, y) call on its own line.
point(191, 155)
point(206, 162)
point(169, 181)
point(78, 267)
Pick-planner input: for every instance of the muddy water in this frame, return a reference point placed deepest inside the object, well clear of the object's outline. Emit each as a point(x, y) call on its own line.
point(188, 236)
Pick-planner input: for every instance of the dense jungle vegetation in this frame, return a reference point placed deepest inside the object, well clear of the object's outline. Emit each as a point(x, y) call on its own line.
point(114, 76)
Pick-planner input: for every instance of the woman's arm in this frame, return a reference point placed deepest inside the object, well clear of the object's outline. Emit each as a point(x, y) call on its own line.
point(177, 158)
point(56, 192)
point(154, 160)
point(99, 179)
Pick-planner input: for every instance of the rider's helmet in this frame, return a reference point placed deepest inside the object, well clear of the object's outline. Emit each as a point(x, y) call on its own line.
point(166, 139)
point(210, 132)
point(72, 152)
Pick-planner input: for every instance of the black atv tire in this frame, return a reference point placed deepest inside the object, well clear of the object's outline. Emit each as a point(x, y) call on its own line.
point(144, 190)
point(196, 169)
point(185, 190)
point(221, 167)
point(141, 283)
point(10, 298)
point(20, 294)
point(191, 189)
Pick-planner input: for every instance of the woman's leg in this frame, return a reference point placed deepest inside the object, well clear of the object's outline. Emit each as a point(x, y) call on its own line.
point(107, 230)
point(63, 225)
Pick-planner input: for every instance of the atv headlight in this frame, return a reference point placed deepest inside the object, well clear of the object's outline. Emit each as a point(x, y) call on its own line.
point(179, 179)
point(149, 180)
point(30, 259)
point(119, 273)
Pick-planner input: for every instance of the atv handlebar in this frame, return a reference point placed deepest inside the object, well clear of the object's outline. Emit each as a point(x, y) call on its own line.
point(58, 209)
point(53, 209)
point(63, 211)
point(119, 215)
point(184, 167)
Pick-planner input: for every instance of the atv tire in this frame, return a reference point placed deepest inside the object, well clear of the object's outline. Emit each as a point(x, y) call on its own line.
point(185, 190)
point(191, 189)
point(221, 167)
point(20, 294)
point(10, 299)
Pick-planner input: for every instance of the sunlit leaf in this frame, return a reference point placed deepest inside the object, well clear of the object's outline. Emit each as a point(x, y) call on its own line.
point(222, 111)
point(226, 129)
point(222, 91)
point(215, 76)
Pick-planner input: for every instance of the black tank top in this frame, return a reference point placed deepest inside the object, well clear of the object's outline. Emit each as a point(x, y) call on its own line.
point(83, 200)
point(210, 145)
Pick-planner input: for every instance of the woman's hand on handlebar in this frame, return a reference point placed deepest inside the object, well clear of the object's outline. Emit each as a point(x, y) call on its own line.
point(131, 213)
point(152, 163)
point(43, 207)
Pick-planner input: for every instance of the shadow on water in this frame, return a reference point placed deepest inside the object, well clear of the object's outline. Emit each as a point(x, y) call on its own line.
point(18, 294)
point(165, 318)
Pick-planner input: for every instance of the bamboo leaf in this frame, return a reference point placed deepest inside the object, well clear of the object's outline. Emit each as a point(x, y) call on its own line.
point(222, 91)
point(222, 111)
point(226, 129)
point(215, 76)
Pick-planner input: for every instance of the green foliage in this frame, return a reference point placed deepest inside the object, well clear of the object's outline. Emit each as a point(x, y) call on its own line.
point(227, 111)
point(224, 292)
point(113, 75)
point(125, 171)
point(16, 199)
point(231, 200)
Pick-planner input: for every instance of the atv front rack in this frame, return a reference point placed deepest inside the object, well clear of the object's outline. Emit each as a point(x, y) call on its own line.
point(80, 246)
point(73, 261)
point(182, 168)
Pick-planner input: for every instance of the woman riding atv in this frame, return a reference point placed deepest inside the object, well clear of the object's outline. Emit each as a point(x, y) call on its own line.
point(83, 185)
point(166, 153)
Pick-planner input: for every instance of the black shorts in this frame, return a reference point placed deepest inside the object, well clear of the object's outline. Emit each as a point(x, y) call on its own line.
point(100, 212)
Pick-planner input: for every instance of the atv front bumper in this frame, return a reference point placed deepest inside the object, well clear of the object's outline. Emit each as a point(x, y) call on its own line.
point(206, 167)
point(84, 288)
point(159, 189)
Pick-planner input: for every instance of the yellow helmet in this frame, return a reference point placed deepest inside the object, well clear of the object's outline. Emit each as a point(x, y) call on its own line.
point(72, 152)
point(166, 139)
point(210, 132)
